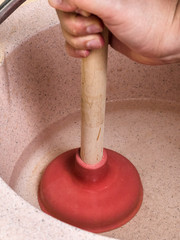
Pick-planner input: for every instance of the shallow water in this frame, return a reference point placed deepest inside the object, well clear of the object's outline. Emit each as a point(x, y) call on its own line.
point(148, 134)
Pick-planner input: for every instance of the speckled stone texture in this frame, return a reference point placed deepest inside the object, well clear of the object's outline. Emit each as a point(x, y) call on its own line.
point(40, 118)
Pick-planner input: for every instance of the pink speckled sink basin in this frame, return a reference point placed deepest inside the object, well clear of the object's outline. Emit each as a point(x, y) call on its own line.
point(40, 118)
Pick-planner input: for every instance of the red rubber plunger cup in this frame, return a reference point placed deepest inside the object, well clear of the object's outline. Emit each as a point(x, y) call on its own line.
point(91, 188)
point(96, 198)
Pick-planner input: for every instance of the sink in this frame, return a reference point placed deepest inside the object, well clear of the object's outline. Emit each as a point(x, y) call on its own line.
point(40, 119)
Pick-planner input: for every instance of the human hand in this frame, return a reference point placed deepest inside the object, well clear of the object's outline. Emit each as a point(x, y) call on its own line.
point(145, 31)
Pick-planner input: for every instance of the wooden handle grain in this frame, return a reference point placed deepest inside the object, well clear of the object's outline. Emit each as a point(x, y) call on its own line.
point(93, 99)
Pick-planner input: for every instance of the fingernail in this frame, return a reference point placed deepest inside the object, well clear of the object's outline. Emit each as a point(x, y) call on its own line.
point(94, 29)
point(95, 43)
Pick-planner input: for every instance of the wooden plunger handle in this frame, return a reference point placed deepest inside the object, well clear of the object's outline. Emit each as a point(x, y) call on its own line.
point(93, 101)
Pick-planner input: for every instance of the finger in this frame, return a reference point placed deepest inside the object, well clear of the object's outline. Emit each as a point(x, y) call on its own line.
point(102, 9)
point(66, 6)
point(77, 25)
point(94, 41)
point(83, 13)
point(63, 5)
point(75, 52)
point(99, 8)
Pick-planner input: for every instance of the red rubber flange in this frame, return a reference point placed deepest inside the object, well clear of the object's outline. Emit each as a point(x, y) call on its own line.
point(96, 198)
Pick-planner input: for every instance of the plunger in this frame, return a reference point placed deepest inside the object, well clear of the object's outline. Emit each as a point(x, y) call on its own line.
point(91, 188)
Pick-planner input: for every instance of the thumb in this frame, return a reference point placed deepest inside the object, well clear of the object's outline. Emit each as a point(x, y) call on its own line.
point(63, 5)
point(100, 8)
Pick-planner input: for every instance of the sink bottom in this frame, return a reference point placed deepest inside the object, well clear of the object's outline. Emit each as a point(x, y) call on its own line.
point(147, 132)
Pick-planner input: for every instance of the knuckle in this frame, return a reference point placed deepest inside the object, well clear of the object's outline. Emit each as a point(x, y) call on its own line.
point(74, 30)
point(75, 43)
point(77, 25)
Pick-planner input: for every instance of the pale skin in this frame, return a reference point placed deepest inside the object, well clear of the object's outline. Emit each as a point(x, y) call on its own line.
point(146, 31)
